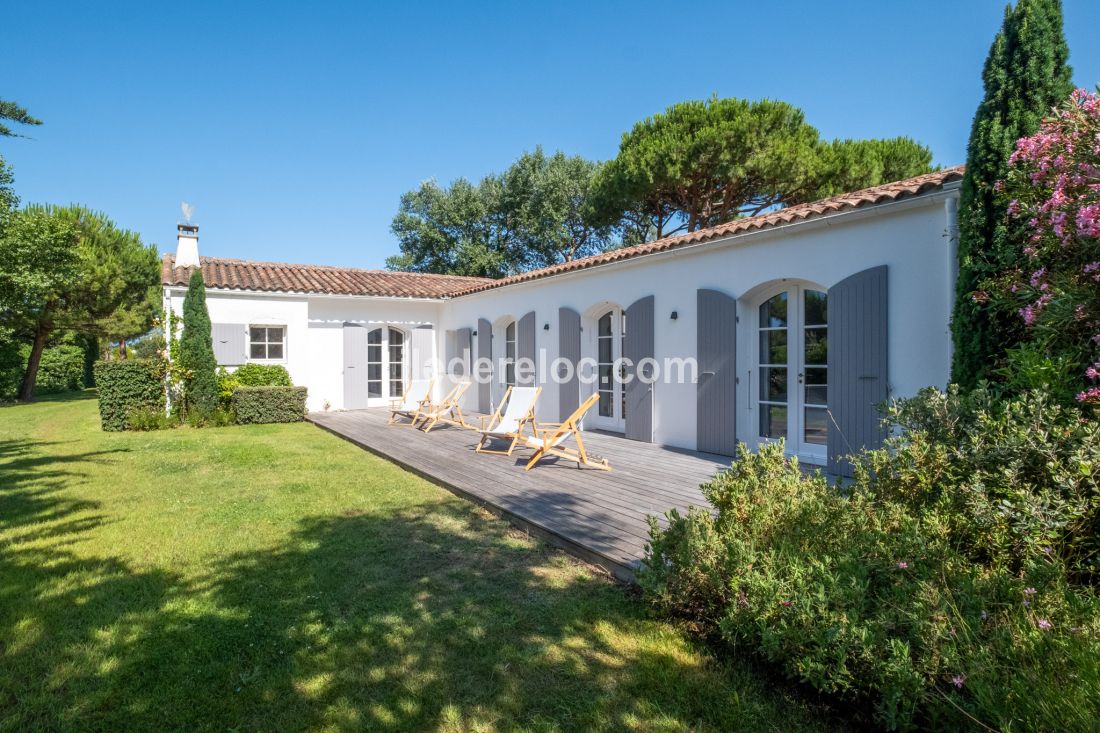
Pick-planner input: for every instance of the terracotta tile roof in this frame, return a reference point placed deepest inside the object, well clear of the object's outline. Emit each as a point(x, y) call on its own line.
point(836, 204)
point(279, 277)
point(285, 278)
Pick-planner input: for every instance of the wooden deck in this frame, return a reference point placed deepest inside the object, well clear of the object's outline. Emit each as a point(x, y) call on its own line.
point(598, 516)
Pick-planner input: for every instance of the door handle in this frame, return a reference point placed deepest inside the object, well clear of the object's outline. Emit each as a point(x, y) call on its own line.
point(800, 375)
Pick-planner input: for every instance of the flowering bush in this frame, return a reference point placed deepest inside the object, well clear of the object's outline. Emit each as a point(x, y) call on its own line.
point(941, 587)
point(1054, 182)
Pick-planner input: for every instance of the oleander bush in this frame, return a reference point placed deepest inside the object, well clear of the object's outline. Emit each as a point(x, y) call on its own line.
point(948, 586)
point(269, 404)
point(128, 387)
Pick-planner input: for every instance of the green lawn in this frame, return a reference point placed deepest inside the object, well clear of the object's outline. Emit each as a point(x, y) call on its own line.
point(276, 578)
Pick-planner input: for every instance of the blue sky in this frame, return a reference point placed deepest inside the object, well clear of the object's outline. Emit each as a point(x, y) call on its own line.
point(294, 129)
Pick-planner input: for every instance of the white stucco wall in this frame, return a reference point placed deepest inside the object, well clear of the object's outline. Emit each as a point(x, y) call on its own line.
point(314, 337)
point(908, 237)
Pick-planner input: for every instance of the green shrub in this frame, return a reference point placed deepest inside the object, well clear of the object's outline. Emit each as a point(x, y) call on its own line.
point(263, 375)
point(945, 584)
point(250, 375)
point(145, 418)
point(219, 417)
point(127, 386)
point(269, 404)
point(61, 370)
point(1017, 479)
point(12, 362)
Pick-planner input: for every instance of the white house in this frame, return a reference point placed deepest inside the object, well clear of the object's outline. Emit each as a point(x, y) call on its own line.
point(791, 324)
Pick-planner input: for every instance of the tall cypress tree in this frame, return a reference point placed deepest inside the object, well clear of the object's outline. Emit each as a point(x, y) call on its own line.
point(196, 350)
point(1025, 75)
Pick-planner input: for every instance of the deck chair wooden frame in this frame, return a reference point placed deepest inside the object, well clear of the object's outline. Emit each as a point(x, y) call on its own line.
point(446, 410)
point(407, 406)
point(492, 428)
point(550, 440)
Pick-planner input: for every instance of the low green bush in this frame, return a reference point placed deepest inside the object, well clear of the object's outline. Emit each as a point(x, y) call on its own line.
point(948, 583)
point(269, 404)
point(128, 386)
point(250, 375)
point(60, 370)
point(263, 375)
point(145, 418)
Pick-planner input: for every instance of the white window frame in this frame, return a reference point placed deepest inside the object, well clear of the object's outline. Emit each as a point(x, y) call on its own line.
point(267, 344)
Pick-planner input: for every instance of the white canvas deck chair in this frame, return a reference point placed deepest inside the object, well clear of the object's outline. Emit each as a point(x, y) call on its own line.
point(446, 410)
point(418, 393)
point(549, 440)
point(519, 410)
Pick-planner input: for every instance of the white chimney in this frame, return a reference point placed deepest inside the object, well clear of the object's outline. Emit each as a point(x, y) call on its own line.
point(187, 246)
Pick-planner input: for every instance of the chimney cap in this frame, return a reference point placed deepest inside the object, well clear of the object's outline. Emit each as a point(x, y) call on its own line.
point(188, 229)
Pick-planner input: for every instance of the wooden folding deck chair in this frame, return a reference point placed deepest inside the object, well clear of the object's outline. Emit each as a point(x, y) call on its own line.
point(447, 410)
point(519, 410)
point(550, 438)
point(418, 393)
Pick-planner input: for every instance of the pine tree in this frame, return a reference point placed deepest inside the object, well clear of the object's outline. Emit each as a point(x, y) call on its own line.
point(1026, 74)
point(196, 351)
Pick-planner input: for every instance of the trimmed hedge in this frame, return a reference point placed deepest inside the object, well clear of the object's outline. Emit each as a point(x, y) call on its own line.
point(128, 386)
point(269, 404)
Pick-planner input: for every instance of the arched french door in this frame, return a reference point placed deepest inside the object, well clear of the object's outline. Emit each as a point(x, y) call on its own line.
point(385, 363)
point(607, 349)
point(792, 385)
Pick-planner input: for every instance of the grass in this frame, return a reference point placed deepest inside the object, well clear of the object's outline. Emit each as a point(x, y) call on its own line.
point(277, 578)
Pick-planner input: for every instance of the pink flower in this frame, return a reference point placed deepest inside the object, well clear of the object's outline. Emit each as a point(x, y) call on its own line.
point(1091, 395)
point(958, 681)
point(1044, 624)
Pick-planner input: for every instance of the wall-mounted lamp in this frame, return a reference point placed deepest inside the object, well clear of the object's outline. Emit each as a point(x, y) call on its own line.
point(675, 315)
point(546, 327)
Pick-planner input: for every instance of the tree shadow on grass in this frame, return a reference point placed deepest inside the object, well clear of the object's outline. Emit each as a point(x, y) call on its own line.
point(35, 480)
point(438, 617)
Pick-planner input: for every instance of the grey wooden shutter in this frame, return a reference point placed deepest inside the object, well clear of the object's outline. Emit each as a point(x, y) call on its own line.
point(638, 345)
point(230, 343)
point(569, 349)
point(716, 346)
point(463, 347)
point(525, 345)
point(420, 352)
point(484, 351)
point(857, 364)
point(355, 366)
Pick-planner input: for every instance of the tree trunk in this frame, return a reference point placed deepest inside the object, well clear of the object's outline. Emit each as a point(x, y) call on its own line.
point(26, 389)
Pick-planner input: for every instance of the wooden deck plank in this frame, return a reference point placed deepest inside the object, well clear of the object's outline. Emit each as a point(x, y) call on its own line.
point(599, 516)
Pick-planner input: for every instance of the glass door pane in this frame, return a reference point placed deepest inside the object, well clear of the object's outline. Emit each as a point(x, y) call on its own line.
point(397, 362)
point(773, 356)
point(815, 371)
point(374, 363)
point(605, 361)
point(510, 354)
